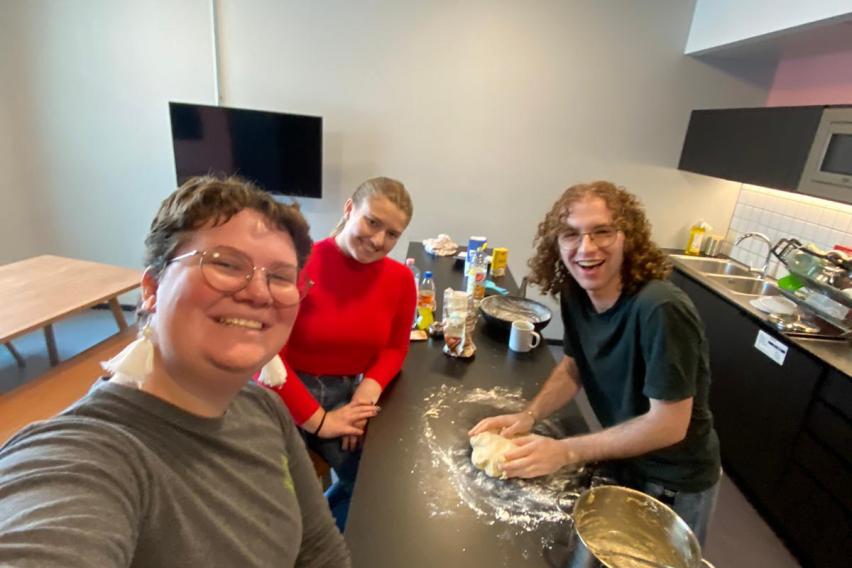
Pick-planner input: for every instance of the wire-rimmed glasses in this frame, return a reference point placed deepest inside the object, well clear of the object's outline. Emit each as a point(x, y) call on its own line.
point(228, 270)
point(602, 236)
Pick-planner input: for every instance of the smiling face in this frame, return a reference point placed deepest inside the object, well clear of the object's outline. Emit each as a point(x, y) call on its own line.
point(595, 268)
point(210, 340)
point(372, 228)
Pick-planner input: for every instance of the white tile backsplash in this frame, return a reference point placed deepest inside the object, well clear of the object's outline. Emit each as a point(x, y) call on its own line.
point(779, 214)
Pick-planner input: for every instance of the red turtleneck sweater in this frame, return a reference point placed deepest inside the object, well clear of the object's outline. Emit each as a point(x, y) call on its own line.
point(355, 319)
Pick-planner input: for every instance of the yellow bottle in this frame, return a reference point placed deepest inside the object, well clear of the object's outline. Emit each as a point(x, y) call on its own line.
point(696, 237)
point(425, 317)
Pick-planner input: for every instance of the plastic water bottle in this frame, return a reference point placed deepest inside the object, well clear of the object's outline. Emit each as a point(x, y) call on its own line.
point(426, 291)
point(426, 301)
point(409, 262)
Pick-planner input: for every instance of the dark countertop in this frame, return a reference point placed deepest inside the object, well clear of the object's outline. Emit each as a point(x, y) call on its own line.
point(405, 511)
point(835, 353)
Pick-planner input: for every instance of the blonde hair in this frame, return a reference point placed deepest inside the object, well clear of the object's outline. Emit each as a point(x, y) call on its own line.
point(391, 189)
point(643, 261)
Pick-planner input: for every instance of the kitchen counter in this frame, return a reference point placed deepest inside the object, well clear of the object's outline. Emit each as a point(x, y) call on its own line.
point(836, 353)
point(406, 509)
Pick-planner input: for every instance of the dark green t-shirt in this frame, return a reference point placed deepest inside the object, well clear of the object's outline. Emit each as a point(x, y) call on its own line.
point(648, 345)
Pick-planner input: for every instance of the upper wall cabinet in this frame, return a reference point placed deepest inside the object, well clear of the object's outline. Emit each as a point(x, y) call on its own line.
point(803, 149)
point(760, 146)
point(726, 26)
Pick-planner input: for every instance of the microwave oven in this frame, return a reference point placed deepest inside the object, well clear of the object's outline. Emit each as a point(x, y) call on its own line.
point(828, 169)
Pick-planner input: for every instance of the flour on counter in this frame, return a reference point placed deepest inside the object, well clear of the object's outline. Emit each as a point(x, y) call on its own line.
point(522, 504)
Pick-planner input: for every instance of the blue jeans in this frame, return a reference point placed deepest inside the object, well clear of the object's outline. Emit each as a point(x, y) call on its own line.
point(334, 391)
point(696, 509)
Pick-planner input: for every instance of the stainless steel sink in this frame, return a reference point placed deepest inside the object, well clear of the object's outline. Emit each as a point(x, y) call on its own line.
point(712, 265)
point(745, 285)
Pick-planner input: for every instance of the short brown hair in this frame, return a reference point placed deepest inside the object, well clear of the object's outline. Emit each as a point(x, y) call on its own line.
point(210, 198)
point(386, 187)
point(643, 261)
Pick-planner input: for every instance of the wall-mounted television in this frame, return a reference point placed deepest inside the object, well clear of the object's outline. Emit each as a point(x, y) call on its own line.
point(281, 153)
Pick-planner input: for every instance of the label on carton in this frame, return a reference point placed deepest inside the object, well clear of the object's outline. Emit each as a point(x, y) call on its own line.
point(770, 347)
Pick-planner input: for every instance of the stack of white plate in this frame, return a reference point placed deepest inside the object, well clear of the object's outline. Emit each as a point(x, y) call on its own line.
point(774, 305)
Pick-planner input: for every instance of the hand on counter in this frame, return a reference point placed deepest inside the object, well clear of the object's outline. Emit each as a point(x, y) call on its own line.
point(367, 394)
point(348, 420)
point(506, 425)
point(538, 455)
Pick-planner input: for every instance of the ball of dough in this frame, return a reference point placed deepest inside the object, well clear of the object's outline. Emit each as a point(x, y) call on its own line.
point(489, 449)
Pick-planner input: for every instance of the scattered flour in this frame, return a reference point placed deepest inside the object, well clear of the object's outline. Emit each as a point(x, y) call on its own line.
point(542, 504)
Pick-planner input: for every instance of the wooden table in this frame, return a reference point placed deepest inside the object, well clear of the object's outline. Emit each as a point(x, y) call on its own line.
point(41, 290)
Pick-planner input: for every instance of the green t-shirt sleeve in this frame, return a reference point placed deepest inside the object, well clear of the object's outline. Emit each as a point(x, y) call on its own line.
point(69, 496)
point(671, 341)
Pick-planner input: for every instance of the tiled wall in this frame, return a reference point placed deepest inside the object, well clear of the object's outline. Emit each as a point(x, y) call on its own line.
point(779, 214)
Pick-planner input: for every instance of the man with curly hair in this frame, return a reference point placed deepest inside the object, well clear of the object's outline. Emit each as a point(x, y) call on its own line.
point(635, 343)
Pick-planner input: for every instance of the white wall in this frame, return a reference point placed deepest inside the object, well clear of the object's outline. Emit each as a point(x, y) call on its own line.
point(486, 109)
point(87, 156)
point(18, 239)
point(722, 22)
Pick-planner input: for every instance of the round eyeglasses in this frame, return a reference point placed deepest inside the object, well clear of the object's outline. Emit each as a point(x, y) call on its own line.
point(228, 270)
point(601, 236)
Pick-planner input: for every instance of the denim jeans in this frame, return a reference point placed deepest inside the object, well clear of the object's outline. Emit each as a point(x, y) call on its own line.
point(696, 509)
point(334, 391)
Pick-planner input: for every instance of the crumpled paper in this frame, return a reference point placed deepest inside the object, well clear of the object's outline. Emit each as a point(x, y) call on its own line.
point(442, 245)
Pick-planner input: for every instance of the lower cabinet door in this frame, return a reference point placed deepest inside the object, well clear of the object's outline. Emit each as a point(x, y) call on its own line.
point(758, 405)
point(817, 527)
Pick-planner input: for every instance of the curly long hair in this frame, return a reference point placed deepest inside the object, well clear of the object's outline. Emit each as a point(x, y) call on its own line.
point(643, 260)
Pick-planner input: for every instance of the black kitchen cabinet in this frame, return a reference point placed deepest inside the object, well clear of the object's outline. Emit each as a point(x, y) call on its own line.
point(758, 406)
point(814, 498)
point(785, 431)
point(815, 525)
point(760, 146)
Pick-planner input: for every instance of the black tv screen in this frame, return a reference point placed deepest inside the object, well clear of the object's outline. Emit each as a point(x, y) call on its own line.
point(281, 153)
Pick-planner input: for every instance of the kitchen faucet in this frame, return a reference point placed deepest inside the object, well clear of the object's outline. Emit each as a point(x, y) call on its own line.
point(763, 238)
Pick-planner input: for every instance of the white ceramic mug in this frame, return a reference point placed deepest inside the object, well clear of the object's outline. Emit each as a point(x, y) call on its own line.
point(523, 337)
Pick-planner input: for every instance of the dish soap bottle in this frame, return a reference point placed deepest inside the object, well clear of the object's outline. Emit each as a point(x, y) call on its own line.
point(696, 236)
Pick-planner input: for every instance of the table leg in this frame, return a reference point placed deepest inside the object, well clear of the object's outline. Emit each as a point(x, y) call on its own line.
point(18, 359)
point(118, 314)
point(50, 339)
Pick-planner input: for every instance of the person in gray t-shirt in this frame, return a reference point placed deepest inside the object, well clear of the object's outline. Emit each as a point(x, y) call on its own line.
point(177, 460)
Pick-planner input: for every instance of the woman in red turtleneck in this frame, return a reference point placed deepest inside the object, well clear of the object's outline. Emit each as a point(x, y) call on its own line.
point(352, 332)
